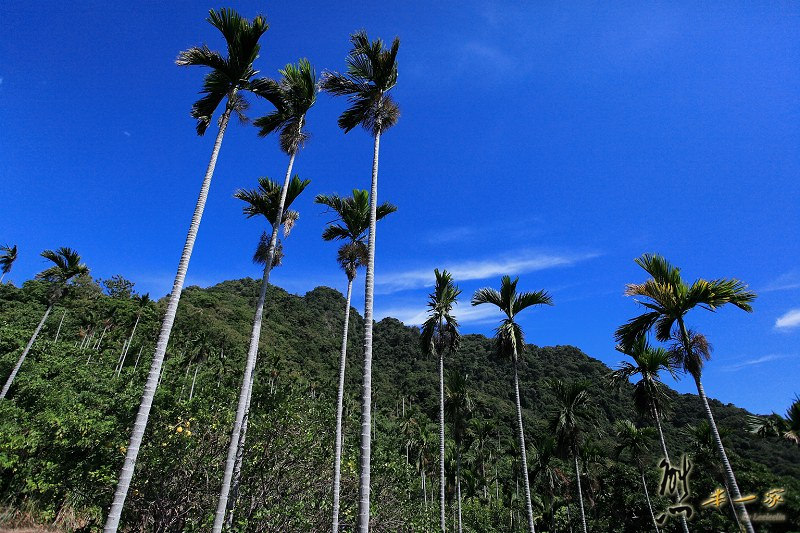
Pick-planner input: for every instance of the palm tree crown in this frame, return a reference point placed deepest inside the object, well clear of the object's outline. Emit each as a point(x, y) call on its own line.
point(636, 441)
point(228, 74)
point(668, 298)
point(440, 330)
point(371, 74)
point(649, 393)
point(265, 199)
point(776, 425)
point(572, 399)
point(510, 339)
point(293, 95)
point(351, 224)
point(67, 265)
point(7, 258)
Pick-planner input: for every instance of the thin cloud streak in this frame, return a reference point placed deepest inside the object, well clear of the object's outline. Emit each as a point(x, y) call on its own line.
point(474, 270)
point(784, 282)
point(789, 320)
point(756, 361)
point(464, 313)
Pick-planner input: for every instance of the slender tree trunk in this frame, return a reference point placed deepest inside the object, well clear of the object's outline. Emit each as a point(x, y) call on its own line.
point(731, 479)
point(441, 442)
point(580, 493)
point(521, 433)
point(366, 398)
point(128, 345)
point(137, 359)
point(649, 505)
point(126, 475)
point(237, 468)
point(22, 357)
point(194, 379)
point(743, 517)
point(337, 459)
point(2, 276)
point(252, 355)
point(100, 340)
point(61, 322)
point(657, 418)
point(458, 484)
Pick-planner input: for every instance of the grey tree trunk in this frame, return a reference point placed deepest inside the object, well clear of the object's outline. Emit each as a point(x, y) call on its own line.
point(61, 322)
point(237, 435)
point(521, 433)
point(366, 398)
point(237, 468)
point(580, 493)
point(100, 340)
point(126, 475)
point(649, 505)
point(337, 460)
point(441, 443)
point(22, 357)
point(194, 379)
point(744, 518)
point(137, 359)
point(128, 345)
point(657, 418)
point(458, 485)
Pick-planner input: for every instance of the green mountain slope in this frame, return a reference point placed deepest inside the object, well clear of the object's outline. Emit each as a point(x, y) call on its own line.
point(64, 428)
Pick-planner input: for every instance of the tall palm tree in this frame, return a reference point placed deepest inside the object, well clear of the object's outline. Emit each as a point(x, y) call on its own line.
point(775, 425)
point(458, 407)
point(66, 265)
point(543, 454)
point(572, 399)
point(350, 225)
point(650, 396)
point(635, 441)
point(7, 258)
point(272, 202)
point(511, 343)
point(668, 299)
point(229, 76)
point(371, 74)
point(440, 335)
point(481, 431)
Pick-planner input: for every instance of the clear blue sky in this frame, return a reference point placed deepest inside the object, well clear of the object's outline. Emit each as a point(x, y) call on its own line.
point(555, 143)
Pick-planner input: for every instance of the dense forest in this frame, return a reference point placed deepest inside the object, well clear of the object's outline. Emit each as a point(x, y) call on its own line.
point(67, 419)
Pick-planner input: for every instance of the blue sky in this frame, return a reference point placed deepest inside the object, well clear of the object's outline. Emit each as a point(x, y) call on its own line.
point(556, 143)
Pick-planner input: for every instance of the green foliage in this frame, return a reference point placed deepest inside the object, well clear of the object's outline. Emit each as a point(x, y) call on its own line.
point(65, 423)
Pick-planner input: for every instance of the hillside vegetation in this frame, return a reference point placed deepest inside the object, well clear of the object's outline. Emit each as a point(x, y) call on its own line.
point(66, 423)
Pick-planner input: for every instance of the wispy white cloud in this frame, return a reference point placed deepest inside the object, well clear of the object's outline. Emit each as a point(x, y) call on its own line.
point(756, 361)
point(454, 234)
point(465, 313)
point(126, 133)
point(787, 281)
point(789, 320)
point(520, 263)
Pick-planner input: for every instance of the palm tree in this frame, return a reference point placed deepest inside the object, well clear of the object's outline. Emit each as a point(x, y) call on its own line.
point(228, 77)
point(272, 202)
point(7, 258)
point(572, 399)
point(371, 74)
point(440, 335)
point(635, 441)
point(543, 454)
point(650, 396)
point(510, 343)
point(66, 265)
point(458, 407)
point(481, 431)
point(668, 298)
point(351, 225)
point(778, 426)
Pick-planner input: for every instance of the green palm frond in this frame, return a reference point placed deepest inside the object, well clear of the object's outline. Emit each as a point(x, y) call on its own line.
point(352, 256)
point(293, 95)
point(440, 331)
point(7, 258)
point(572, 398)
point(265, 200)
point(487, 295)
point(66, 266)
point(528, 299)
point(371, 74)
point(228, 74)
point(691, 353)
point(352, 215)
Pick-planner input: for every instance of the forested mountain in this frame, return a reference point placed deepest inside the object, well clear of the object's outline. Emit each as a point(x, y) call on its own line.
point(66, 422)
